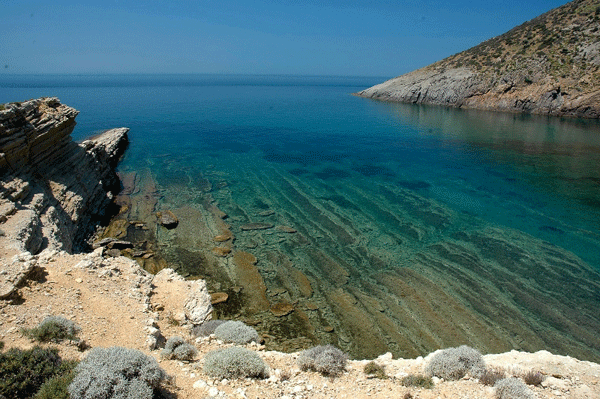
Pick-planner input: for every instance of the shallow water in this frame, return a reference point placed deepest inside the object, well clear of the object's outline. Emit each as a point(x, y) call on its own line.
point(416, 227)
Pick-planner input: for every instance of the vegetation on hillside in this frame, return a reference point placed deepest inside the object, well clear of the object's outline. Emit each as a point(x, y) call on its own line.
point(563, 43)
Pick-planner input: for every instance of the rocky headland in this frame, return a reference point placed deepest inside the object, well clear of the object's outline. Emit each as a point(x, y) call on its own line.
point(54, 191)
point(549, 65)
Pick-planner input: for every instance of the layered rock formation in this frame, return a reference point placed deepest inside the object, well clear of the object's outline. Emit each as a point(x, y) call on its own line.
point(549, 65)
point(53, 191)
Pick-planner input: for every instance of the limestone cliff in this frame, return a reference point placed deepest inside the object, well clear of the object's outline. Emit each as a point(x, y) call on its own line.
point(549, 65)
point(53, 190)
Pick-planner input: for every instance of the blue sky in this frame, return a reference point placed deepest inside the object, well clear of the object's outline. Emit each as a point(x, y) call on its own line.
point(326, 37)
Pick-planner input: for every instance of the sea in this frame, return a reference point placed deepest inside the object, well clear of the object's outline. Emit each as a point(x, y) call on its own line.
point(376, 227)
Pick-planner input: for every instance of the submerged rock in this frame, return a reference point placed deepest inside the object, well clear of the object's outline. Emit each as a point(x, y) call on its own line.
point(282, 309)
point(218, 297)
point(287, 229)
point(167, 219)
point(256, 226)
point(221, 251)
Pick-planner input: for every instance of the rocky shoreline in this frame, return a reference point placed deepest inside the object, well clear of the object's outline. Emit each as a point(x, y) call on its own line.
point(117, 302)
point(546, 66)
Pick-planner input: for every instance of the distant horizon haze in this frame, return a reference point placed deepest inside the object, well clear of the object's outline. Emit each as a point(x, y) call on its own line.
point(314, 38)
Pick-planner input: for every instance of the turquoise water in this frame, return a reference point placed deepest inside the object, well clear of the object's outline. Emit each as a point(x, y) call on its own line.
point(453, 203)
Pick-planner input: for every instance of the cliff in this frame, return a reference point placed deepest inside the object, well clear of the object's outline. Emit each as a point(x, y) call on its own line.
point(549, 65)
point(53, 190)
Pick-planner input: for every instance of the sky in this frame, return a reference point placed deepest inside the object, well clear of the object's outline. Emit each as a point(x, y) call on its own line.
point(313, 37)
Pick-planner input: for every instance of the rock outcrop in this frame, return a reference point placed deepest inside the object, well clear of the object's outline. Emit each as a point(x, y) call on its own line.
point(53, 191)
point(549, 65)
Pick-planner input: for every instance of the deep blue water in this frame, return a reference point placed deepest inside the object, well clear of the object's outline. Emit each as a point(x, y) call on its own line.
point(357, 161)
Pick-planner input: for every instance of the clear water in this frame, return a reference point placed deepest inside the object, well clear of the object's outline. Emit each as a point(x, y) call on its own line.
point(494, 217)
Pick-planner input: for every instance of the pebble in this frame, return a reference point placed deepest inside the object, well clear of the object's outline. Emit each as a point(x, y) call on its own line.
point(200, 384)
point(79, 280)
point(213, 391)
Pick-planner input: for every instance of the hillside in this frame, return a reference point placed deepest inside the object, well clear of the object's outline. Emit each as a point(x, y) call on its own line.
point(549, 65)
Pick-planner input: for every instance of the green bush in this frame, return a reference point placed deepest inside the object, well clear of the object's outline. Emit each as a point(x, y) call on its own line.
point(177, 348)
point(512, 388)
point(375, 369)
point(455, 363)
point(22, 372)
point(417, 380)
point(110, 373)
point(53, 328)
point(325, 359)
point(236, 332)
point(57, 386)
point(234, 362)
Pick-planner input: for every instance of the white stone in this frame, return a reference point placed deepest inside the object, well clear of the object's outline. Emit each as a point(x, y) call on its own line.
point(385, 357)
point(200, 384)
point(555, 383)
point(213, 391)
point(84, 264)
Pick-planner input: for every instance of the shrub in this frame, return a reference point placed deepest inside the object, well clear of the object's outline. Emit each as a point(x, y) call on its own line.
point(534, 378)
point(512, 388)
point(177, 348)
point(22, 372)
point(116, 373)
point(57, 386)
point(236, 332)
point(490, 376)
point(234, 362)
point(53, 328)
point(207, 328)
point(417, 380)
point(375, 369)
point(455, 363)
point(325, 359)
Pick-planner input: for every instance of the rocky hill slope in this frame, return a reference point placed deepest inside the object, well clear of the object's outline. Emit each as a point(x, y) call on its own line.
point(549, 65)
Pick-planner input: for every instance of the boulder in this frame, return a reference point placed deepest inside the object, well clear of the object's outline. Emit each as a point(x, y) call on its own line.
point(15, 272)
point(180, 296)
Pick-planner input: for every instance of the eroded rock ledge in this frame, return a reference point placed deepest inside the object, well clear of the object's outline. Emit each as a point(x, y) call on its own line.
point(465, 88)
point(52, 189)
